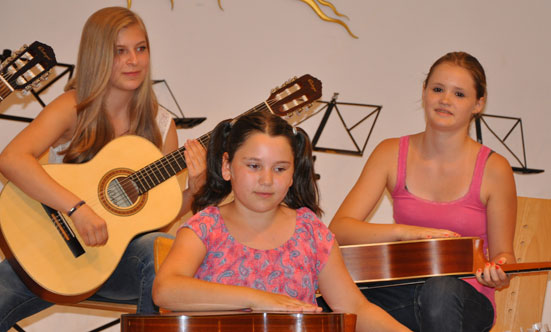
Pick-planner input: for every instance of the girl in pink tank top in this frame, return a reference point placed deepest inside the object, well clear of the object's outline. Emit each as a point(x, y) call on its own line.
point(443, 184)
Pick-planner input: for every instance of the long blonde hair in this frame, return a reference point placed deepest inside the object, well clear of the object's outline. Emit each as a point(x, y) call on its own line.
point(93, 71)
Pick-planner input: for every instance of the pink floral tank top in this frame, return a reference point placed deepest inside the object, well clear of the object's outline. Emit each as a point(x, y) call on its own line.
point(291, 269)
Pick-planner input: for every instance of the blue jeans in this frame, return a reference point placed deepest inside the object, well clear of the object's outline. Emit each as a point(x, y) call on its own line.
point(440, 304)
point(131, 282)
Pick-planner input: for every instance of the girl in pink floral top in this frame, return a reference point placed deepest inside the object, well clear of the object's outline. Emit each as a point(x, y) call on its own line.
point(266, 249)
point(289, 269)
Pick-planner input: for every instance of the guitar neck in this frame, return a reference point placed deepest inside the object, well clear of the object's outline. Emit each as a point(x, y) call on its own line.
point(526, 267)
point(161, 170)
point(406, 262)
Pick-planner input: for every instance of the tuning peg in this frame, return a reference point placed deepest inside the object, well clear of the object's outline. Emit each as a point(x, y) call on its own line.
point(8, 59)
point(26, 90)
point(36, 84)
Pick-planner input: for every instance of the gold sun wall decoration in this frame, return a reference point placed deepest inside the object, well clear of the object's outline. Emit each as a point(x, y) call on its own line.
point(314, 4)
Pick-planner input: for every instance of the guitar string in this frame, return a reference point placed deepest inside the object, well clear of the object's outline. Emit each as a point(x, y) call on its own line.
point(5, 88)
point(9, 76)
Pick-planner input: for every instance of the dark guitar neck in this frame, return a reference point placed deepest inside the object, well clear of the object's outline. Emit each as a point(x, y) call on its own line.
point(408, 262)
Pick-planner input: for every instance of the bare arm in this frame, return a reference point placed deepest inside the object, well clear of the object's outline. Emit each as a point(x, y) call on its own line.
point(379, 173)
point(19, 160)
point(19, 164)
point(342, 295)
point(499, 188)
point(348, 223)
point(175, 288)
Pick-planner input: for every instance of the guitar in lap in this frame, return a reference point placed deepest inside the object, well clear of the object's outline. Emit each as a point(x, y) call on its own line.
point(129, 184)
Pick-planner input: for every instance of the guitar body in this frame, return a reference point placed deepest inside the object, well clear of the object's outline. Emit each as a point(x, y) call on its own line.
point(32, 242)
point(239, 321)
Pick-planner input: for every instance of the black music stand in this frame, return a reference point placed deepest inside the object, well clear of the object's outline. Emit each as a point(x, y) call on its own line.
point(334, 105)
point(517, 122)
point(182, 121)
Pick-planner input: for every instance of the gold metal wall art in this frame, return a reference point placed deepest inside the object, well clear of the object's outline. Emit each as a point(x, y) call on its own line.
point(314, 4)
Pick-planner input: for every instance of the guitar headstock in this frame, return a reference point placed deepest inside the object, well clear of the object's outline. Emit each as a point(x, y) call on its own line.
point(296, 94)
point(27, 66)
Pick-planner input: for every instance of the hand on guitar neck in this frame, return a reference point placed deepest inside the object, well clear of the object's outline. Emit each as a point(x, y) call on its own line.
point(413, 261)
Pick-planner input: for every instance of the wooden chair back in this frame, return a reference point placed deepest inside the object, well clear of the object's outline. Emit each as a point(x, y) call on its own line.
point(521, 304)
point(160, 250)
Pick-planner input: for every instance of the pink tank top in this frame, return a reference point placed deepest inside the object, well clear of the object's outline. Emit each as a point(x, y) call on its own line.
point(466, 215)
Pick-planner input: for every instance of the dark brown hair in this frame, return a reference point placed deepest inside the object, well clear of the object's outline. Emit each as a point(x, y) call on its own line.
point(229, 137)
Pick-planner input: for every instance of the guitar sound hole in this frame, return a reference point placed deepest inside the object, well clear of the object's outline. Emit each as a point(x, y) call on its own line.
point(122, 192)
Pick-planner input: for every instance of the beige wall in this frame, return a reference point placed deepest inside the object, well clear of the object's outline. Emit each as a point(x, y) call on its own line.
point(221, 63)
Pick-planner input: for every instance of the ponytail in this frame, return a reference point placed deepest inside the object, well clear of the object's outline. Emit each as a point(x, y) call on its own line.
point(215, 188)
point(304, 191)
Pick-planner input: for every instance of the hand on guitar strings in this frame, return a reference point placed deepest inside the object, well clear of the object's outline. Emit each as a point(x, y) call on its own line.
point(91, 227)
point(279, 302)
point(408, 233)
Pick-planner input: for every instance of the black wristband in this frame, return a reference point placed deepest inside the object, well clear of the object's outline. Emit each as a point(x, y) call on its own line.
point(74, 208)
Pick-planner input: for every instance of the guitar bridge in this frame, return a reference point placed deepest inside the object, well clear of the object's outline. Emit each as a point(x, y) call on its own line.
point(65, 231)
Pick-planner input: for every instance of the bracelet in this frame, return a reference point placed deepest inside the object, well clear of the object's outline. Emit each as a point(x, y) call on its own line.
point(74, 208)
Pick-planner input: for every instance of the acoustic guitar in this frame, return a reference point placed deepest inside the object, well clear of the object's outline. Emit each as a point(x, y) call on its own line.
point(242, 321)
point(406, 262)
point(26, 68)
point(130, 185)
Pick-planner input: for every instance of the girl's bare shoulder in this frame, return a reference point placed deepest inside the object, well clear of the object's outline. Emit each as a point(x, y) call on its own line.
point(386, 150)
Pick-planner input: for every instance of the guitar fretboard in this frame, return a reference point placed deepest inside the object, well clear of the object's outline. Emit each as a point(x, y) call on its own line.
point(161, 170)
